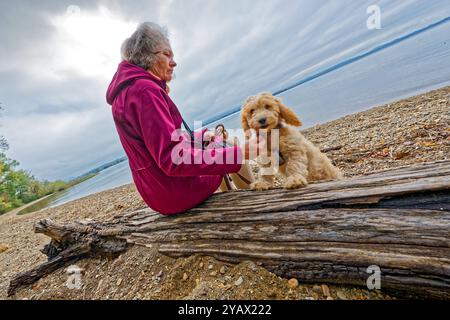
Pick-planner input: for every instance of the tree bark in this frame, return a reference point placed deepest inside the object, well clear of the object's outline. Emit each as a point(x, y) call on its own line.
point(329, 232)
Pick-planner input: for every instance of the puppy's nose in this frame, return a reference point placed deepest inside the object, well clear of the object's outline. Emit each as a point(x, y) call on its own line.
point(263, 121)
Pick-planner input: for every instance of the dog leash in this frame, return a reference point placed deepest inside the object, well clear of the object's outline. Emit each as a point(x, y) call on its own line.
point(191, 133)
point(227, 177)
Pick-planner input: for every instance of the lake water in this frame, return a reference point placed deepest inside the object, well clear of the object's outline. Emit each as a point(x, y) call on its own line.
point(110, 178)
point(414, 66)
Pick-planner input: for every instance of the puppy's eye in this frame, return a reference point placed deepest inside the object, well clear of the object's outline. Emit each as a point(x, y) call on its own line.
point(267, 107)
point(252, 110)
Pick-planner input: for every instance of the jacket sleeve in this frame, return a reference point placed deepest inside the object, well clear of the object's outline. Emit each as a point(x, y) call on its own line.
point(172, 150)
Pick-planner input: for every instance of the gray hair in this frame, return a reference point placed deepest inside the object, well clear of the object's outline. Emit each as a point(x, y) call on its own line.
point(139, 49)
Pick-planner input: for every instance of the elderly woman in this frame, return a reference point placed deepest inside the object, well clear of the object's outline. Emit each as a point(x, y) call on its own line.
point(146, 120)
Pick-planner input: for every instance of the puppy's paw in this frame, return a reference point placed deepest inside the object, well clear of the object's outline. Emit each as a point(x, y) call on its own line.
point(295, 182)
point(260, 185)
point(339, 175)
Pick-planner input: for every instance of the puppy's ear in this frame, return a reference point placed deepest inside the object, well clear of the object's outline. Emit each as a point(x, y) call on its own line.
point(245, 125)
point(289, 116)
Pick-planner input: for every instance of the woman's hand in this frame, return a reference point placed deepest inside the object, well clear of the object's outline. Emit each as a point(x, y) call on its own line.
point(218, 135)
point(253, 147)
point(208, 136)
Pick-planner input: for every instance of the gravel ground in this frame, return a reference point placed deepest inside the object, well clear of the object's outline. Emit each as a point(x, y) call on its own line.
point(407, 132)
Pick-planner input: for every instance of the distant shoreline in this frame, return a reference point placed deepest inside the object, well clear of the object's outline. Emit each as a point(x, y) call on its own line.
point(15, 211)
point(36, 203)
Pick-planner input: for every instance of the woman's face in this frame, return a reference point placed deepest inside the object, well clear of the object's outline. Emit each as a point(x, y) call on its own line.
point(165, 64)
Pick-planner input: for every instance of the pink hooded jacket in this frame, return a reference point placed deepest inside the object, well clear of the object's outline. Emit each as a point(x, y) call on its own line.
point(146, 119)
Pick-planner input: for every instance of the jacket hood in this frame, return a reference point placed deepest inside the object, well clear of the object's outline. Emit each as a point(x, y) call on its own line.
point(125, 75)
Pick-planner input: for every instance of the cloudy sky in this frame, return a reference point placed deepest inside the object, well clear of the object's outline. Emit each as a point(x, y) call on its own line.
point(57, 58)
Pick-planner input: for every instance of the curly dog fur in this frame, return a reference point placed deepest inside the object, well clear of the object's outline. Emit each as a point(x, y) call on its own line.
point(302, 162)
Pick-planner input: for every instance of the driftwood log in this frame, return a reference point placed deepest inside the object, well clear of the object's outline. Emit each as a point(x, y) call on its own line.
point(331, 232)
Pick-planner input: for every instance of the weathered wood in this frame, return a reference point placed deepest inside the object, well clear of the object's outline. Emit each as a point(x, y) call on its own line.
point(329, 232)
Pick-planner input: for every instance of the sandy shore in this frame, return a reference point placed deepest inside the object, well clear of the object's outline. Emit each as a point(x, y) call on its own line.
point(410, 131)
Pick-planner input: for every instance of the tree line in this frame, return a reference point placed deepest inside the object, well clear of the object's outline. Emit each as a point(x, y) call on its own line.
point(19, 187)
